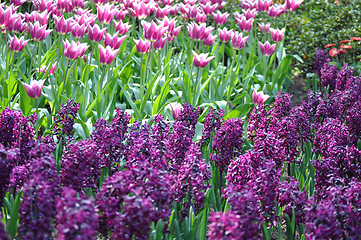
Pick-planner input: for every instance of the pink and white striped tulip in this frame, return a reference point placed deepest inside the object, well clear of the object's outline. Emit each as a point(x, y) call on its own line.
point(34, 89)
point(201, 60)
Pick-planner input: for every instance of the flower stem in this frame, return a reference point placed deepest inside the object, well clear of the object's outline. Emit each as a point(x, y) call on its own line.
point(65, 76)
point(85, 102)
point(141, 78)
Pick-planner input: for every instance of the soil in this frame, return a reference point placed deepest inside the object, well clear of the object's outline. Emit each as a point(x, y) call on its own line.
point(298, 90)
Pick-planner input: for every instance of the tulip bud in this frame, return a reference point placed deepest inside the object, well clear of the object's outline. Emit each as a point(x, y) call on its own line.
point(34, 89)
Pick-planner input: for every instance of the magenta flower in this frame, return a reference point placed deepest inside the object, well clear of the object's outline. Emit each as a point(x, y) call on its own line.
point(267, 49)
point(113, 41)
point(107, 54)
point(159, 45)
point(78, 30)
point(141, 9)
point(263, 5)
point(142, 46)
point(259, 97)
point(38, 33)
point(198, 32)
point(43, 5)
point(225, 34)
point(120, 15)
point(34, 89)
point(275, 10)
point(209, 40)
point(16, 45)
point(17, 25)
point(201, 60)
point(238, 41)
point(220, 18)
point(61, 25)
point(167, 23)
point(264, 27)
point(208, 8)
point(74, 50)
point(152, 31)
point(106, 13)
point(5, 15)
point(250, 13)
point(201, 18)
point(176, 110)
point(42, 18)
point(44, 69)
point(293, 4)
point(244, 24)
point(121, 28)
point(160, 13)
point(96, 34)
point(277, 34)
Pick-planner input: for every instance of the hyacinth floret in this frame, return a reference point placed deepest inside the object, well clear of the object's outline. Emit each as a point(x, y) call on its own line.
point(212, 122)
point(65, 119)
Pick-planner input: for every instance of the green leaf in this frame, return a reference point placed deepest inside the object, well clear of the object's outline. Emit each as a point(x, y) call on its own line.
point(131, 103)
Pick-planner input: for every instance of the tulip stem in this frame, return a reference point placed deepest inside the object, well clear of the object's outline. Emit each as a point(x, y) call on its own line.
point(141, 78)
point(100, 86)
point(65, 76)
point(85, 102)
point(196, 90)
point(39, 58)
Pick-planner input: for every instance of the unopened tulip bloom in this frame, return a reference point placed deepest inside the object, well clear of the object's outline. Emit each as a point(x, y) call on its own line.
point(201, 60)
point(38, 32)
point(225, 35)
point(267, 49)
point(16, 45)
point(113, 41)
point(293, 4)
point(77, 30)
point(96, 34)
point(121, 28)
point(250, 13)
point(74, 50)
point(238, 41)
point(62, 25)
point(198, 32)
point(274, 11)
point(277, 34)
point(264, 27)
point(263, 5)
point(107, 54)
point(142, 46)
point(259, 97)
point(220, 18)
point(176, 110)
point(152, 31)
point(141, 9)
point(34, 89)
point(106, 13)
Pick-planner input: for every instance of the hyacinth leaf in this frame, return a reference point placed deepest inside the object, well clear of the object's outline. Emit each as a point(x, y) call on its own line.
point(202, 232)
point(359, 144)
point(279, 229)
point(12, 206)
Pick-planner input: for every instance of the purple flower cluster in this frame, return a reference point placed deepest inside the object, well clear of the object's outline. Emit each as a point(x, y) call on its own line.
point(64, 122)
point(80, 165)
point(227, 143)
point(213, 121)
point(3, 234)
point(76, 216)
point(321, 58)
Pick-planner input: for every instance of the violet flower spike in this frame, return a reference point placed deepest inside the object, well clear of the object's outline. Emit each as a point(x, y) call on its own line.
point(201, 60)
point(34, 89)
point(277, 34)
point(267, 49)
point(38, 33)
point(259, 97)
point(17, 45)
point(142, 46)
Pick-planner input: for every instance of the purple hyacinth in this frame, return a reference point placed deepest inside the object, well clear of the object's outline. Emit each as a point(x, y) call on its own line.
point(80, 165)
point(224, 226)
point(321, 58)
point(3, 234)
point(227, 143)
point(212, 122)
point(328, 76)
point(65, 119)
point(76, 217)
point(343, 76)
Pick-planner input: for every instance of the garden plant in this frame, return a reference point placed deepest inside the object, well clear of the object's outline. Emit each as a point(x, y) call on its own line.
point(170, 120)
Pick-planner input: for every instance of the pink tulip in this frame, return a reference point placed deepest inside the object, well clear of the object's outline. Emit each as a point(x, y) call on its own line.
point(198, 32)
point(167, 23)
point(267, 49)
point(152, 31)
point(209, 40)
point(113, 41)
point(208, 8)
point(220, 18)
point(17, 2)
point(201, 60)
point(106, 13)
point(141, 9)
point(264, 27)
point(44, 69)
point(42, 18)
point(142, 46)
point(121, 28)
point(225, 35)
point(78, 3)
point(34, 89)
point(63, 26)
point(17, 24)
point(277, 34)
point(43, 5)
point(38, 33)
point(107, 54)
point(175, 32)
point(259, 97)
point(201, 18)
point(74, 50)
point(176, 110)
point(263, 5)
point(5, 15)
point(120, 15)
point(250, 13)
point(159, 45)
point(275, 10)
point(293, 4)
point(160, 13)
point(238, 41)
point(244, 24)
point(16, 45)
point(96, 34)
point(77, 30)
